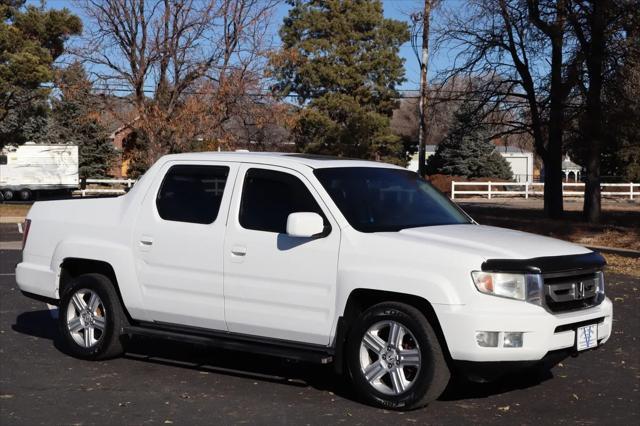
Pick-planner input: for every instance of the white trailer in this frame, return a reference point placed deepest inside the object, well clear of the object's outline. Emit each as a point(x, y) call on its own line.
point(28, 169)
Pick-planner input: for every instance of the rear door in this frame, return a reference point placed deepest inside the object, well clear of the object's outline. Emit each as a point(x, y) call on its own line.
point(278, 286)
point(178, 243)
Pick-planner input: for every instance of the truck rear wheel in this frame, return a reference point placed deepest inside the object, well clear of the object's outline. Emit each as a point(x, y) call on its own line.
point(91, 318)
point(7, 195)
point(25, 194)
point(395, 360)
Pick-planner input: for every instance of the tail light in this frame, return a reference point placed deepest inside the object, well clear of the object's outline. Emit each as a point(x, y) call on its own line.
point(25, 231)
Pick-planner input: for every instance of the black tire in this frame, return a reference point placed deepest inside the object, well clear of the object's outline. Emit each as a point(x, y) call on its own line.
point(25, 194)
point(7, 195)
point(429, 381)
point(109, 340)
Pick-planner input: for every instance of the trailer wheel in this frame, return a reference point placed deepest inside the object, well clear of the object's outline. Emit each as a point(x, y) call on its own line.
point(25, 194)
point(7, 194)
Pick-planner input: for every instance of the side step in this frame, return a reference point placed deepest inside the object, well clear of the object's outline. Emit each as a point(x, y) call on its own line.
point(237, 342)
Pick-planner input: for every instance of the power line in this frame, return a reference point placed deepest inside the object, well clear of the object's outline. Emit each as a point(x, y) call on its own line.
point(469, 96)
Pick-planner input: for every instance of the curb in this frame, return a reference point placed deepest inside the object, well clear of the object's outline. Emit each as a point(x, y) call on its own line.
point(11, 245)
point(12, 219)
point(618, 251)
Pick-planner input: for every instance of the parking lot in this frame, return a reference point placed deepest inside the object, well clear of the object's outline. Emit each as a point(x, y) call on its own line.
point(160, 382)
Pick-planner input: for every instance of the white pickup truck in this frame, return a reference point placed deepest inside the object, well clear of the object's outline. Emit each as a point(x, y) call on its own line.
point(320, 259)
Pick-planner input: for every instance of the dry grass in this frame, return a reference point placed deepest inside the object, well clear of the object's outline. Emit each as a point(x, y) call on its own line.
point(609, 238)
point(14, 210)
point(623, 265)
point(620, 227)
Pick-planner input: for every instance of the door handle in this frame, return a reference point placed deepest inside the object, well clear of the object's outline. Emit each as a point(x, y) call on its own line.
point(238, 251)
point(145, 243)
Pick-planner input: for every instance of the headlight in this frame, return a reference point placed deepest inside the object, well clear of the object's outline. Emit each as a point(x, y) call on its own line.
point(600, 283)
point(513, 286)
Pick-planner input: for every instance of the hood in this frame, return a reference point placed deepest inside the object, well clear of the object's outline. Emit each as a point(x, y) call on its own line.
point(491, 242)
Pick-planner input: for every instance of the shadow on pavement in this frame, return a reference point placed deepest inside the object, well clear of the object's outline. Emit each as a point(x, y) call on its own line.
point(203, 358)
point(459, 388)
point(271, 369)
point(37, 324)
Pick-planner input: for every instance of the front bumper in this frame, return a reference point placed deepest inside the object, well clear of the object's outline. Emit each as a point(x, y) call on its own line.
point(543, 332)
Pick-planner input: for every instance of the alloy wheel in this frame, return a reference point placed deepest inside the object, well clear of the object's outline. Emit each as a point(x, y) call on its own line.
point(86, 318)
point(390, 357)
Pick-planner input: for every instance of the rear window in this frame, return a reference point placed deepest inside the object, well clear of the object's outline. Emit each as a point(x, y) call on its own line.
point(192, 193)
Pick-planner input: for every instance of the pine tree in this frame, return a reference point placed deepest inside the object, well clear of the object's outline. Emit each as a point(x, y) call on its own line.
point(340, 58)
point(467, 150)
point(31, 39)
point(73, 120)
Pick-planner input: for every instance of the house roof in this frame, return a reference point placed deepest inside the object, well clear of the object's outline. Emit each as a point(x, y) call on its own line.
point(567, 164)
point(511, 149)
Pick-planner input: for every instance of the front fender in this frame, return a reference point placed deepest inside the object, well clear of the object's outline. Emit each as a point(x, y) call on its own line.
point(435, 289)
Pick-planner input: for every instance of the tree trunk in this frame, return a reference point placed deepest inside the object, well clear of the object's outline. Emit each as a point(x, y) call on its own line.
point(553, 202)
point(593, 139)
point(592, 206)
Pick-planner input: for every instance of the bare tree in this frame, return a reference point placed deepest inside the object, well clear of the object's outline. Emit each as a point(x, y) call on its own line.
point(508, 43)
point(164, 51)
point(601, 28)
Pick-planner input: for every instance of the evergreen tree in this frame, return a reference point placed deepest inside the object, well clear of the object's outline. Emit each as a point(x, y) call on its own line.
point(340, 58)
point(31, 39)
point(74, 120)
point(467, 150)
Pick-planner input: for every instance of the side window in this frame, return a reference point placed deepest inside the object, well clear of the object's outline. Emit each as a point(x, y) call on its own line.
point(192, 193)
point(268, 197)
point(3, 159)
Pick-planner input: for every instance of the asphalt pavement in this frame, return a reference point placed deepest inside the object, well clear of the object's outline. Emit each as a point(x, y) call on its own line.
point(159, 382)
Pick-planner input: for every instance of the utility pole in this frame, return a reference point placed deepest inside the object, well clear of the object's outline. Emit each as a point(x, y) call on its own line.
point(424, 62)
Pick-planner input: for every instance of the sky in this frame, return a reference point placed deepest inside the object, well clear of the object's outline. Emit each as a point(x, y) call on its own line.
point(394, 9)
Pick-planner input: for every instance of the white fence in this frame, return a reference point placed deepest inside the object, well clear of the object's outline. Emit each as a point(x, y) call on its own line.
point(493, 189)
point(528, 189)
point(128, 183)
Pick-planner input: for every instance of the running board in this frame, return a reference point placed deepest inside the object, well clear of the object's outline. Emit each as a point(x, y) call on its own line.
point(236, 342)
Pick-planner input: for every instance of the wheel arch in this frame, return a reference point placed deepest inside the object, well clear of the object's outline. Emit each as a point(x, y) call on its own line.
point(73, 267)
point(360, 299)
point(113, 259)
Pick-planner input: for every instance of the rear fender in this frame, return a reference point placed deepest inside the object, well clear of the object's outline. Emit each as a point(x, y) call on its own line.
point(118, 256)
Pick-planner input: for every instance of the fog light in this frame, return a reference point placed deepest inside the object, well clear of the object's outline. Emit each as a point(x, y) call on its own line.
point(487, 339)
point(512, 339)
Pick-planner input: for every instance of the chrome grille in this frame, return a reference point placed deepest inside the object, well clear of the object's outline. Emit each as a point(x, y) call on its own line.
point(571, 291)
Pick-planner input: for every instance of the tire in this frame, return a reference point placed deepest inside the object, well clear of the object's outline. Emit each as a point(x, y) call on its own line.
point(7, 194)
point(407, 373)
point(25, 194)
point(91, 330)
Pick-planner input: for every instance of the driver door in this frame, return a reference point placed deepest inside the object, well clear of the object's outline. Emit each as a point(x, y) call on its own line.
point(275, 285)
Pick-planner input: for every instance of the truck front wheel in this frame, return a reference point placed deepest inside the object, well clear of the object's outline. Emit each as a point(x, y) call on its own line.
point(91, 317)
point(394, 357)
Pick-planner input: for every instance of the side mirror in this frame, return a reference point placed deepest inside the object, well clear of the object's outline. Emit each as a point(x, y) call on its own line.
point(304, 224)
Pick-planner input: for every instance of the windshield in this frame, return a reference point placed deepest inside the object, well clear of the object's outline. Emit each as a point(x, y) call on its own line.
point(375, 199)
